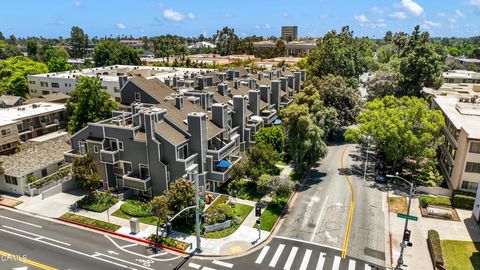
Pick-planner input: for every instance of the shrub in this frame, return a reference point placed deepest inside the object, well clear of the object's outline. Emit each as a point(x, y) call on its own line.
point(98, 202)
point(463, 201)
point(433, 240)
point(218, 213)
point(136, 208)
point(425, 201)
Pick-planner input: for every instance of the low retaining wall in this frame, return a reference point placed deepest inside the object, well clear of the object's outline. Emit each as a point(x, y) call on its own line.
point(437, 191)
point(59, 188)
point(218, 226)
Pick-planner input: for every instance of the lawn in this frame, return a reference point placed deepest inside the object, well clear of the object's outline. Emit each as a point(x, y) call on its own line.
point(241, 212)
point(90, 221)
point(97, 203)
point(248, 191)
point(147, 220)
point(397, 205)
point(461, 255)
point(272, 213)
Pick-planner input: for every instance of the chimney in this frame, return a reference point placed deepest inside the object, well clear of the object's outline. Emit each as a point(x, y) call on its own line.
point(260, 76)
point(220, 114)
point(298, 79)
point(198, 143)
point(265, 93)
point(122, 80)
point(221, 77)
point(230, 75)
point(291, 81)
point(276, 96)
point(209, 81)
point(304, 74)
point(283, 83)
point(270, 75)
point(254, 101)
point(252, 83)
point(179, 102)
point(236, 84)
point(222, 89)
point(201, 83)
point(175, 81)
point(240, 115)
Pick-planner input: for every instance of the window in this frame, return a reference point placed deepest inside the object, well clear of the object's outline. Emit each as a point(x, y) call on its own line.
point(120, 146)
point(20, 127)
point(475, 147)
point(29, 120)
point(44, 84)
point(117, 99)
point(44, 172)
point(55, 85)
point(137, 96)
point(6, 146)
point(6, 132)
point(45, 119)
point(116, 90)
point(66, 84)
point(104, 87)
point(470, 186)
point(95, 149)
point(11, 180)
point(472, 167)
point(45, 92)
point(31, 82)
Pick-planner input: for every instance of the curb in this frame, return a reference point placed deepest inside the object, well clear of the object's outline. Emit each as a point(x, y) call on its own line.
point(9, 206)
point(122, 235)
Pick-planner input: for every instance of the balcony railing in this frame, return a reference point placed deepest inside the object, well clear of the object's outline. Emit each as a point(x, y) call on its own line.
point(219, 154)
point(109, 156)
point(268, 119)
point(133, 181)
point(71, 155)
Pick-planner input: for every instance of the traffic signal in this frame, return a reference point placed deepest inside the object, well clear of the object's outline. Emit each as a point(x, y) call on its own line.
point(258, 221)
point(406, 236)
point(258, 211)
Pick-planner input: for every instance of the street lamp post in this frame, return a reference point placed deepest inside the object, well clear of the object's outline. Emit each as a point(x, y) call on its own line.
point(403, 245)
point(193, 175)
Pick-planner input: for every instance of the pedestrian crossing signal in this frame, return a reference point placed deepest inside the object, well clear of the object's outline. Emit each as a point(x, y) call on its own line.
point(258, 211)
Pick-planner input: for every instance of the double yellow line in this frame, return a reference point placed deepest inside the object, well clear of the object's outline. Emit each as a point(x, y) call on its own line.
point(25, 260)
point(352, 205)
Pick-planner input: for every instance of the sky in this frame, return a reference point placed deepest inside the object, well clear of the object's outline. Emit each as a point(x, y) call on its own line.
point(54, 18)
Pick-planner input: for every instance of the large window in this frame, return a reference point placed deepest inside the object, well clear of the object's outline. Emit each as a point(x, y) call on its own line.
point(11, 180)
point(475, 147)
point(55, 85)
point(137, 96)
point(472, 167)
point(470, 186)
point(44, 84)
point(6, 132)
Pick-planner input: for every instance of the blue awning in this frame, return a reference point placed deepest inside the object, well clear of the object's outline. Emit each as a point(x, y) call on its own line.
point(223, 164)
point(277, 122)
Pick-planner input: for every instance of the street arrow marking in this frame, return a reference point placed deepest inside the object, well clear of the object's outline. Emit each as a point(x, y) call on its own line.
point(113, 252)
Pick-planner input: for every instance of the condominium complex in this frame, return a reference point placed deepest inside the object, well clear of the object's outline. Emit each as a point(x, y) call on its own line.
point(199, 118)
point(20, 123)
point(112, 78)
point(289, 33)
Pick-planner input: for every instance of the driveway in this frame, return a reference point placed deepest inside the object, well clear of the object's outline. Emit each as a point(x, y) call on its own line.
point(53, 207)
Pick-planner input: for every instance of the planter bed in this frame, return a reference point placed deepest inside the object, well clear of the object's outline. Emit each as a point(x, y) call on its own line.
point(90, 222)
point(451, 210)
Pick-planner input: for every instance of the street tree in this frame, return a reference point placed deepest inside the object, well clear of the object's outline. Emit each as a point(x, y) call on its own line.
point(111, 52)
point(261, 160)
point(85, 173)
point(402, 128)
point(180, 194)
point(78, 42)
point(273, 136)
point(278, 187)
point(88, 103)
point(161, 211)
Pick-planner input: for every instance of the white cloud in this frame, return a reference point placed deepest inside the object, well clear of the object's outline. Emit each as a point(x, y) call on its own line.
point(285, 14)
point(452, 19)
point(427, 24)
point(264, 26)
point(173, 15)
point(60, 22)
point(459, 13)
point(120, 26)
point(381, 20)
point(77, 3)
point(441, 14)
point(475, 3)
point(411, 6)
point(399, 15)
point(377, 10)
point(228, 15)
point(191, 16)
point(361, 18)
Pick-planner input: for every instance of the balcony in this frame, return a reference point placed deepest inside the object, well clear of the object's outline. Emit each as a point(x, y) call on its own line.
point(46, 125)
point(71, 155)
point(223, 174)
point(109, 156)
point(134, 181)
point(219, 154)
point(269, 116)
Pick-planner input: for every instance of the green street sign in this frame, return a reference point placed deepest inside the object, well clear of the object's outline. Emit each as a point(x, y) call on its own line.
point(414, 218)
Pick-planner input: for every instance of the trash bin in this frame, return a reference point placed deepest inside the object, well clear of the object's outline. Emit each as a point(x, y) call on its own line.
point(134, 226)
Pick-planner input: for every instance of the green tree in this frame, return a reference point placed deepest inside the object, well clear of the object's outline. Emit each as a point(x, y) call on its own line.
point(88, 103)
point(227, 41)
point(276, 186)
point(180, 195)
point(161, 211)
point(8, 50)
point(111, 52)
point(85, 173)
point(402, 128)
point(261, 160)
point(273, 136)
point(383, 83)
point(32, 48)
point(305, 139)
point(78, 42)
point(58, 64)
point(13, 74)
point(280, 48)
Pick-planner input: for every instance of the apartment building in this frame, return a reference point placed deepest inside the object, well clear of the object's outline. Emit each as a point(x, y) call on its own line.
point(20, 123)
point(294, 48)
point(459, 156)
point(204, 119)
point(35, 159)
point(461, 77)
point(289, 33)
point(112, 78)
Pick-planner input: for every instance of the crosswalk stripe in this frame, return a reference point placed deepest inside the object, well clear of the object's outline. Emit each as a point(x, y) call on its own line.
point(290, 258)
point(321, 261)
point(351, 265)
point(224, 264)
point(306, 259)
point(262, 254)
point(276, 256)
point(194, 265)
point(367, 267)
point(207, 268)
point(336, 263)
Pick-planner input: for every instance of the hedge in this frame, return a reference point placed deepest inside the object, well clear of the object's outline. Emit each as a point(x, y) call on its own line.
point(433, 241)
point(136, 208)
point(425, 201)
point(463, 201)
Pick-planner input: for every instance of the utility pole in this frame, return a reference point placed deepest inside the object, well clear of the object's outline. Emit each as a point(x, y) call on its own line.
point(193, 176)
point(366, 161)
point(404, 243)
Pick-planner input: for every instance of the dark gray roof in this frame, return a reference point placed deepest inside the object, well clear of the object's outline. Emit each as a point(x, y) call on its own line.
point(153, 87)
point(170, 133)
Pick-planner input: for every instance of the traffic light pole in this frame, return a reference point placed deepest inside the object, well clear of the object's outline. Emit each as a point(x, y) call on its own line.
point(403, 245)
